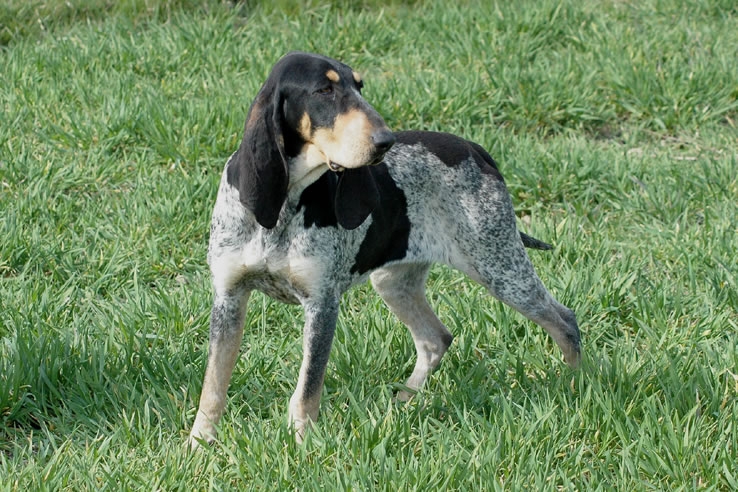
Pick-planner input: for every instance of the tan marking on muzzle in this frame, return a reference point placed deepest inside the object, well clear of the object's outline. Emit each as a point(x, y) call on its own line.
point(349, 143)
point(347, 125)
point(332, 75)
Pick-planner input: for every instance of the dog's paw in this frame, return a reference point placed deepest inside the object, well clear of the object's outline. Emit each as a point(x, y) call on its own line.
point(573, 359)
point(405, 396)
point(196, 442)
point(300, 428)
point(573, 356)
point(201, 435)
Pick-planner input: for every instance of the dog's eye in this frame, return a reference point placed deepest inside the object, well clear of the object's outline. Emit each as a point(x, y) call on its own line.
point(325, 91)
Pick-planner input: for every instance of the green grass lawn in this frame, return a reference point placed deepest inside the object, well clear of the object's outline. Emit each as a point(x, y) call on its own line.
point(614, 123)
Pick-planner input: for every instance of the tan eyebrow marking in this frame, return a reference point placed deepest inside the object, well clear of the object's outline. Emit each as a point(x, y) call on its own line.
point(332, 75)
point(357, 77)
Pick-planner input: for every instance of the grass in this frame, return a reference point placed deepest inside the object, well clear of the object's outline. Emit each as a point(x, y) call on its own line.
point(614, 124)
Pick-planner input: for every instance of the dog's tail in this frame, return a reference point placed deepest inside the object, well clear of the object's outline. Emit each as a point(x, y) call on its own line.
point(533, 243)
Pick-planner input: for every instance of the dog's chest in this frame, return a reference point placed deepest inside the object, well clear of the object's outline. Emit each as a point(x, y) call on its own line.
point(268, 267)
point(296, 260)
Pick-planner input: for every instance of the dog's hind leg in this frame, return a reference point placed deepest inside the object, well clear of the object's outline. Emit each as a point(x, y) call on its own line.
point(402, 287)
point(510, 277)
point(226, 332)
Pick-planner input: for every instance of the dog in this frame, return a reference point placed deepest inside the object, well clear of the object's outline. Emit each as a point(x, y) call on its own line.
point(321, 195)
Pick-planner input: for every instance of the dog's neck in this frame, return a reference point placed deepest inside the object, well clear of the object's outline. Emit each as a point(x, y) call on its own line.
point(306, 168)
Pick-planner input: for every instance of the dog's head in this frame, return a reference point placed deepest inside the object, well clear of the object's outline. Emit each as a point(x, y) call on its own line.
point(310, 110)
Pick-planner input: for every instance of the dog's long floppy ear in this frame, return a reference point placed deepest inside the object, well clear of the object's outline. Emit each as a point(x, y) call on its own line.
point(259, 167)
point(357, 196)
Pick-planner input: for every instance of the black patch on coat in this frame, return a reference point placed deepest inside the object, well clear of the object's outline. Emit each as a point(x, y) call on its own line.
point(357, 196)
point(386, 238)
point(317, 200)
point(451, 149)
point(344, 199)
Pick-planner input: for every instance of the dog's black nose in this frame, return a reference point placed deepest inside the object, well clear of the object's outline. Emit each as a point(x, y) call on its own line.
point(383, 140)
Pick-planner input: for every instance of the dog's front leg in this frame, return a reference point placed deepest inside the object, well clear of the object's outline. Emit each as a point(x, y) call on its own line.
point(226, 332)
point(320, 325)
